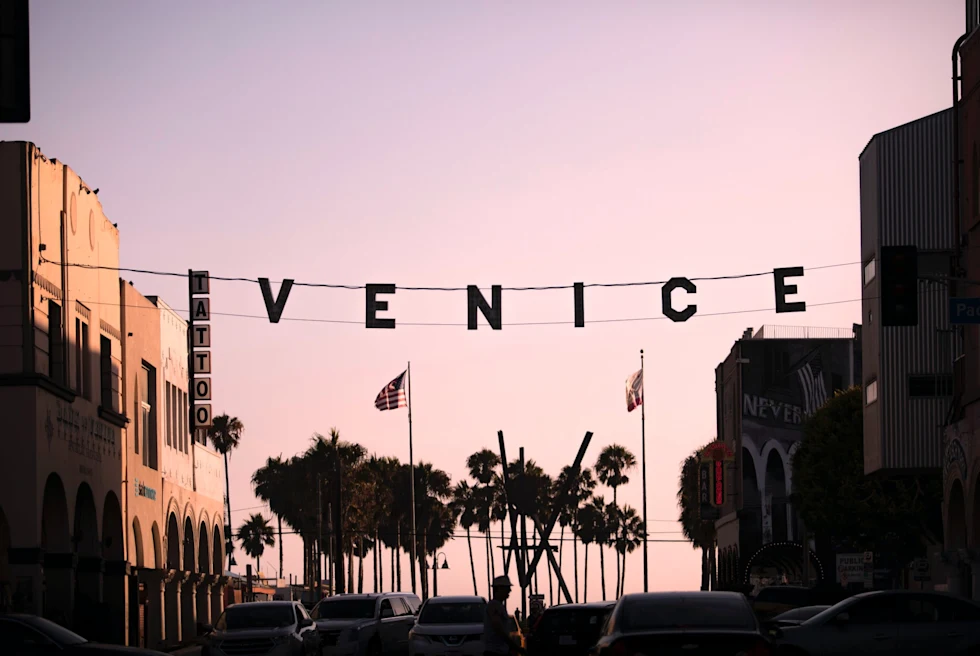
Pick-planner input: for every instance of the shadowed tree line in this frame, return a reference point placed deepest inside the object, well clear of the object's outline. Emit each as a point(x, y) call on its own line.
point(375, 511)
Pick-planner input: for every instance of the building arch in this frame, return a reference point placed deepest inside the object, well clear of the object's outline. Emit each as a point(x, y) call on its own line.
point(113, 545)
point(157, 549)
point(784, 457)
point(774, 491)
point(137, 553)
point(85, 531)
point(55, 527)
point(956, 533)
point(203, 553)
point(188, 545)
point(217, 551)
point(173, 542)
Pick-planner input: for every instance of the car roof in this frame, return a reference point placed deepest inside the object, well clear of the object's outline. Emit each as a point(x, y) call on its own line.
point(591, 605)
point(275, 602)
point(679, 596)
point(458, 599)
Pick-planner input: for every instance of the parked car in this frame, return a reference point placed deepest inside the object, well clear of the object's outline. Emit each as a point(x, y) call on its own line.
point(366, 624)
point(792, 617)
point(449, 625)
point(777, 599)
point(893, 622)
point(570, 630)
point(256, 628)
point(29, 635)
point(692, 623)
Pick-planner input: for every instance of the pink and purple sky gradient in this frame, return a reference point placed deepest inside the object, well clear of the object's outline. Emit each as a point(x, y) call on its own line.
point(448, 143)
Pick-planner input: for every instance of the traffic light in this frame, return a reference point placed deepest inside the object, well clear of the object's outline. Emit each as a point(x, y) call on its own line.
point(15, 64)
point(899, 286)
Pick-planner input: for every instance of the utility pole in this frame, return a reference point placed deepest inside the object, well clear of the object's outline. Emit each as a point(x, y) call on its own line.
point(330, 545)
point(527, 574)
point(338, 530)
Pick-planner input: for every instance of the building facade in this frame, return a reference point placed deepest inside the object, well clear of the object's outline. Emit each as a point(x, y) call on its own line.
point(772, 379)
point(60, 370)
point(116, 531)
point(961, 445)
point(906, 199)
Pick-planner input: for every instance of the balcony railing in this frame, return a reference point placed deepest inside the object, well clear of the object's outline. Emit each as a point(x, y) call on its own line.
point(802, 332)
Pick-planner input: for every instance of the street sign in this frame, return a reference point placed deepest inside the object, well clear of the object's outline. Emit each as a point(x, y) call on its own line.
point(920, 570)
point(964, 310)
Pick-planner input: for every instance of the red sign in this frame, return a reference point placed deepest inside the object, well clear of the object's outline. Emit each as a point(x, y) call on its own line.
point(719, 482)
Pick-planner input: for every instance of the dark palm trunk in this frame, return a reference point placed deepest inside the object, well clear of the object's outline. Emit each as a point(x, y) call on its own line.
point(398, 555)
point(602, 568)
point(575, 557)
point(585, 577)
point(489, 549)
point(228, 507)
point(380, 568)
point(279, 519)
point(469, 545)
point(622, 582)
point(704, 568)
point(393, 588)
point(617, 524)
point(360, 565)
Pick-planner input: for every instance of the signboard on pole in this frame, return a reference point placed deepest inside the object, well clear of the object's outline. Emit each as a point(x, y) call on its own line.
point(199, 349)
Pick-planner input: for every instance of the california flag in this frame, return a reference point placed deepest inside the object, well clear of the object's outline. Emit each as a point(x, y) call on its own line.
point(634, 391)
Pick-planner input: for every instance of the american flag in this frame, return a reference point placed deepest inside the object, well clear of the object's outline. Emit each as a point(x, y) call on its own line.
point(634, 391)
point(393, 395)
point(814, 389)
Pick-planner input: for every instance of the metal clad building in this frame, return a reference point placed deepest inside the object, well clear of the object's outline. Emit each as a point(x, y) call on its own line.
point(906, 199)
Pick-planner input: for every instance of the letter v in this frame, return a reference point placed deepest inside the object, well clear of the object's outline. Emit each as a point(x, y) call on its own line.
point(275, 308)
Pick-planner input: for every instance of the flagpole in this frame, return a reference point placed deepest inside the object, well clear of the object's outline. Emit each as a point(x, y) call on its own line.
point(643, 456)
point(411, 461)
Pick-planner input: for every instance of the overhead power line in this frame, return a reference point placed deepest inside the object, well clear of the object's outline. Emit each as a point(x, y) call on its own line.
point(532, 288)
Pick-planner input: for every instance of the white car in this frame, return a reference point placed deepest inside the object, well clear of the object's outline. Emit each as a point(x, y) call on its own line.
point(449, 626)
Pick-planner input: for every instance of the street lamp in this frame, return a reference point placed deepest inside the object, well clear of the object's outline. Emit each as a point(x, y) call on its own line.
point(435, 571)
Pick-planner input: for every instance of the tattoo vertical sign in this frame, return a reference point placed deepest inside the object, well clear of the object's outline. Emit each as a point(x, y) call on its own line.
point(199, 351)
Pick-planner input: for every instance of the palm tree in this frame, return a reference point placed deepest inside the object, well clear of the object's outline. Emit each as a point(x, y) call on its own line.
point(482, 467)
point(531, 489)
point(606, 523)
point(272, 486)
point(585, 529)
point(612, 466)
point(631, 535)
point(225, 433)
point(255, 535)
point(579, 491)
point(700, 533)
point(380, 474)
point(463, 508)
point(432, 491)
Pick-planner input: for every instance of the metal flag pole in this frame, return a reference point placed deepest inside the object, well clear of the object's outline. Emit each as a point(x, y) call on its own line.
point(411, 461)
point(643, 464)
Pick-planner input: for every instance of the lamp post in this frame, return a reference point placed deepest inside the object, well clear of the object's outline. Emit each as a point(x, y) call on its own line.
point(435, 571)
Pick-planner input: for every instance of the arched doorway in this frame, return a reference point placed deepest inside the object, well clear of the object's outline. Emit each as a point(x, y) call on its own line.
point(217, 565)
point(172, 594)
point(188, 599)
point(88, 580)
point(137, 544)
point(58, 591)
point(780, 563)
point(775, 500)
point(114, 587)
point(158, 562)
point(956, 537)
point(751, 513)
point(204, 567)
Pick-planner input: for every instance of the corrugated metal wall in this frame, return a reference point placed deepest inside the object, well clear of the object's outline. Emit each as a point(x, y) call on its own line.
point(914, 206)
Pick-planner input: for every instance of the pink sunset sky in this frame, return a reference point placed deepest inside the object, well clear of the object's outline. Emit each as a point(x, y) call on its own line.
point(448, 143)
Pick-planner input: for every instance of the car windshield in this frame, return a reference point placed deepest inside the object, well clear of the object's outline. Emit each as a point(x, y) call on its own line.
point(800, 614)
point(55, 632)
point(255, 616)
point(703, 612)
point(344, 609)
point(452, 613)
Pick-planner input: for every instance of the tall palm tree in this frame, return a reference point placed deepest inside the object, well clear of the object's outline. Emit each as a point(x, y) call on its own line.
point(531, 490)
point(631, 535)
point(483, 468)
point(612, 468)
point(432, 491)
point(588, 520)
point(225, 434)
point(463, 507)
point(581, 484)
point(606, 524)
point(272, 486)
point(380, 473)
point(700, 533)
point(255, 535)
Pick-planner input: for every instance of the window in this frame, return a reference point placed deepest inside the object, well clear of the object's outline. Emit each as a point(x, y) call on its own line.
point(170, 424)
point(148, 415)
point(871, 392)
point(386, 609)
point(869, 271)
point(930, 386)
point(108, 397)
point(83, 360)
point(56, 343)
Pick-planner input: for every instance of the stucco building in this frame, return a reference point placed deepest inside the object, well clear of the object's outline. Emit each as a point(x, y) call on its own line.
point(110, 512)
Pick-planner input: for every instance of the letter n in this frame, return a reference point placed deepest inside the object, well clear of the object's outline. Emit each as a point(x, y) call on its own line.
point(475, 301)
